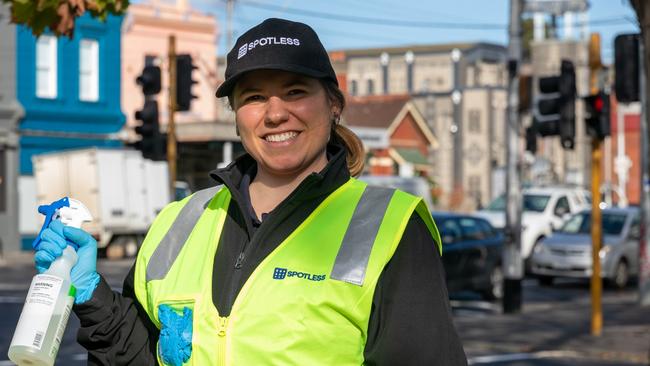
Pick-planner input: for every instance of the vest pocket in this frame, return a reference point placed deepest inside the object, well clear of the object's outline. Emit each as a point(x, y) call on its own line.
point(176, 318)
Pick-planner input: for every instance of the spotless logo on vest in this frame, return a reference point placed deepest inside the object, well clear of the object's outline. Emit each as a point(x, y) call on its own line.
point(283, 273)
point(266, 41)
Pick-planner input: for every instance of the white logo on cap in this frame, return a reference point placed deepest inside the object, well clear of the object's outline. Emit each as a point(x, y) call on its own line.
point(242, 51)
point(265, 41)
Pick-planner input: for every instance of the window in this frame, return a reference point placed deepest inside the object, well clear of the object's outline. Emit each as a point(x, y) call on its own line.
point(353, 87)
point(88, 70)
point(474, 183)
point(562, 207)
point(474, 121)
point(46, 67)
point(471, 230)
point(487, 229)
point(371, 86)
point(449, 231)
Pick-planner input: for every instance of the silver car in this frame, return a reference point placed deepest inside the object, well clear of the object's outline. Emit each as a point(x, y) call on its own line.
point(567, 253)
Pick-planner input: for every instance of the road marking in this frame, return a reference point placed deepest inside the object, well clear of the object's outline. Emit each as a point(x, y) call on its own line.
point(12, 300)
point(75, 357)
point(521, 357)
point(13, 287)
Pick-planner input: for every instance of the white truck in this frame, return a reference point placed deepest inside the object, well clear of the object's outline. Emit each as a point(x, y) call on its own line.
point(123, 191)
point(544, 209)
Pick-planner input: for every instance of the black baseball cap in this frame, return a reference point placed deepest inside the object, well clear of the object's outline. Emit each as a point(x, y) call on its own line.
point(277, 44)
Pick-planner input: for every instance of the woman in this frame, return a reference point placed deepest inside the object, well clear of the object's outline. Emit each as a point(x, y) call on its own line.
point(287, 260)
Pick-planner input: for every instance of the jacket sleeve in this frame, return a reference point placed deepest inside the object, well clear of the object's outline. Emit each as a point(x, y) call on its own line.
point(410, 322)
point(115, 329)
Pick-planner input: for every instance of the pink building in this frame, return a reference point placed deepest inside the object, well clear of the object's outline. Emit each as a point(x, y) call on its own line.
point(145, 34)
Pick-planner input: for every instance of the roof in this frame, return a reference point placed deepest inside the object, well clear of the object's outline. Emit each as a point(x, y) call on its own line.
point(427, 48)
point(378, 111)
point(412, 155)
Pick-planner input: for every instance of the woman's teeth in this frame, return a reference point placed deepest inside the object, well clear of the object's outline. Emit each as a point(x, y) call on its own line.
point(281, 137)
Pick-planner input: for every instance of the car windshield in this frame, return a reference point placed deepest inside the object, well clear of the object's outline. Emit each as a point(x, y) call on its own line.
point(532, 202)
point(581, 224)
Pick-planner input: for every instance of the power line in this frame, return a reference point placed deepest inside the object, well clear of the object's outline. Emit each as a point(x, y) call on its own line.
point(611, 21)
point(376, 21)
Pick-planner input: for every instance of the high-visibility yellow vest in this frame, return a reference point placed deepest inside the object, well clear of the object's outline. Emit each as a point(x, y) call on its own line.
point(307, 303)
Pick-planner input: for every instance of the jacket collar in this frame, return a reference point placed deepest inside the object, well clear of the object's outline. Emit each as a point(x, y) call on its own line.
point(324, 182)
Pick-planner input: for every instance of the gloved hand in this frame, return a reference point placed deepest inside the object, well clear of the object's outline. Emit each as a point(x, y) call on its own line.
point(84, 274)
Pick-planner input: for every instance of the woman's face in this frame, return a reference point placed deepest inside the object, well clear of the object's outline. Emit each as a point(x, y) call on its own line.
point(284, 121)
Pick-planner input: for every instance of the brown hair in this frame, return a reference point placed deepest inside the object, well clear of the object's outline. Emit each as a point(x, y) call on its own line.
point(353, 145)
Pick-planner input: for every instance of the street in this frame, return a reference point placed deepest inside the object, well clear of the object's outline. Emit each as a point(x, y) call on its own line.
point(553, 328)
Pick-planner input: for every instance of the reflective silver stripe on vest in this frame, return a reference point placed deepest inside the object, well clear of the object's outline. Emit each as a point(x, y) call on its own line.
point(167, 250)
point(354, 253)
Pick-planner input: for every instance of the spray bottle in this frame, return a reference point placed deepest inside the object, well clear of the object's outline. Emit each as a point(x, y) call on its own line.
point(49, 300)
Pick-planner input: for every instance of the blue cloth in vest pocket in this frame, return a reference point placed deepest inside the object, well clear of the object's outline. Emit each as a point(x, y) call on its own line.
point(175, 343)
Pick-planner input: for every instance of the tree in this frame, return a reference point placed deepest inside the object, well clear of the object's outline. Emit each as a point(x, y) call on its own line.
point(60, 15)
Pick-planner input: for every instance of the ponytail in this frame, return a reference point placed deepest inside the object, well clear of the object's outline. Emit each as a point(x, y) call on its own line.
point(356, 154)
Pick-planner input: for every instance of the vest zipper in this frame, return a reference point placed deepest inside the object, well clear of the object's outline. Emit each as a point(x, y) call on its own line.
point(240, 260)
point(221, 341)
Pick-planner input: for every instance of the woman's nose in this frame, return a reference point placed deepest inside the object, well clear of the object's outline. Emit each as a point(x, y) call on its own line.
point(276, 111)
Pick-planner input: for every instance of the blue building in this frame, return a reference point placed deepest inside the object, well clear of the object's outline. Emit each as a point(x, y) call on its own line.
point(70, 93)
point(69, 88)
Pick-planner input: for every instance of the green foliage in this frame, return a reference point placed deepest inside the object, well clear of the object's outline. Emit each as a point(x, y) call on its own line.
point(59, 15)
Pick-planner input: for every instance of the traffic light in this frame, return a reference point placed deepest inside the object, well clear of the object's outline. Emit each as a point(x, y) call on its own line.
point(597, 115)
point(555, 107)
point(149, 80)
point(151, 143)
point(184, 82)
point(626, 63)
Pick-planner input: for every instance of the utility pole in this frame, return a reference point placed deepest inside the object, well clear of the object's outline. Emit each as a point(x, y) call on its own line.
point(229, 10)
point(512, 251)
point(642, 9)
point(596, 218)
point(171, 126)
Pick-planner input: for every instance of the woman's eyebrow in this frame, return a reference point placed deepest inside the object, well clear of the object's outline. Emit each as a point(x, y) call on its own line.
point(248, 89)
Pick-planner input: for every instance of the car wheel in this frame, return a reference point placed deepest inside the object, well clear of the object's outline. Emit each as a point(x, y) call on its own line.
point(621, 275)
point(545, 280)
point(495, 291)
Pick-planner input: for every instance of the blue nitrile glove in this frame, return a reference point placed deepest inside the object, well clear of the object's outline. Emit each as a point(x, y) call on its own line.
point(175, 342)
point(84, 274)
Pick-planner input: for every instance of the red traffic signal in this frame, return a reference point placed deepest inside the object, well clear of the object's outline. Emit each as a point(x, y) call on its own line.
point(597, 117)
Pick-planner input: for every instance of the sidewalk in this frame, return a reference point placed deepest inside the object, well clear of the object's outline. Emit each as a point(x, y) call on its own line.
point(563, 326)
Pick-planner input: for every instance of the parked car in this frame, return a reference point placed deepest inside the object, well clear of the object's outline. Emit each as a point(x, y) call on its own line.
point(568, 252)
point(544, 209)
point(471, 254)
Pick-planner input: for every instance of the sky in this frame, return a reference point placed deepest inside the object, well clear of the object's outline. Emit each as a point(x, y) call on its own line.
point(345, 24)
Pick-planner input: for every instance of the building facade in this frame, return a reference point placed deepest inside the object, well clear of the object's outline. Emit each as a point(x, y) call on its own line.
point(10, 113)
point(461, 91)
point(396, 137)
point(204, 139)
point(70, 92)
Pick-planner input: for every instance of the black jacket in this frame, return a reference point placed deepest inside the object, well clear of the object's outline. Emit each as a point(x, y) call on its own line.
point(410, 323)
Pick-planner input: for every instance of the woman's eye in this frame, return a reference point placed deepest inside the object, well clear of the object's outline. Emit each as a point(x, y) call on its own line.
point(253, 98)
point(296, 92)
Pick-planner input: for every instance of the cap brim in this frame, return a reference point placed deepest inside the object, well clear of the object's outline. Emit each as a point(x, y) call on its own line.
point(227, 86)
